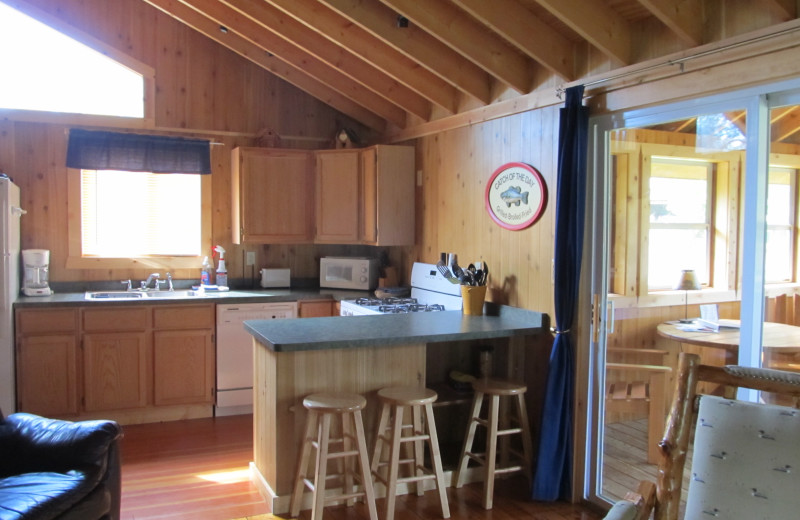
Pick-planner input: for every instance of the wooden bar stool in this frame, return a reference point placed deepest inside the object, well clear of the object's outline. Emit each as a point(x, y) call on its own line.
point(395, 401)
point(494, 389)
point(321, 408)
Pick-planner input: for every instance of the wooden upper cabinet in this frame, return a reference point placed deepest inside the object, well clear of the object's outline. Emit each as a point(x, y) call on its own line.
point(368, 218)
point(353, 196)
point(366, 196)
point(338, 177)
point(388, 207)
point(273, 196)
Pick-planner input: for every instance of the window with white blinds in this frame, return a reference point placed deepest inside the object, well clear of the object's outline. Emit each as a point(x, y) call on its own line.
point(139, 214)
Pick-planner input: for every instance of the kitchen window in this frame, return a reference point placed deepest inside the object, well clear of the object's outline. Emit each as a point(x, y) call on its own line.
point(140, 214)
point(127, 219)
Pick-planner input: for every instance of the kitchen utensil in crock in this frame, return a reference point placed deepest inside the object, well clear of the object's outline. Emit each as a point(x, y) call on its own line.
point(444, 270)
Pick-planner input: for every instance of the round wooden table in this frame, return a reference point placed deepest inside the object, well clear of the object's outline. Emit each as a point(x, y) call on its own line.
point(776, 337)
point(722, 348)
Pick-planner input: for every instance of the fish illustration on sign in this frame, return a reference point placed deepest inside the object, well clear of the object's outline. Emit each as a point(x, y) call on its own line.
point(514, 195)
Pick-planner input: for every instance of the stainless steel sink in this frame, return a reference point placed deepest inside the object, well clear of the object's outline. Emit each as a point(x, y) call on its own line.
point(189, 293)
point(114, 295)
point(138, 295)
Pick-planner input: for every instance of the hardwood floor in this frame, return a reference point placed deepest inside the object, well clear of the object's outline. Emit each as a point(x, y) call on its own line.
point(198, 470)
point(195, 469)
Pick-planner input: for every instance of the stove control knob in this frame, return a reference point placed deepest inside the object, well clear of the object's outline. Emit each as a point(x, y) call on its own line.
point(363, 279)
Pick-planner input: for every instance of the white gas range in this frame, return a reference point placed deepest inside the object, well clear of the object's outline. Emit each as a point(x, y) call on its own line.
point(430, 292)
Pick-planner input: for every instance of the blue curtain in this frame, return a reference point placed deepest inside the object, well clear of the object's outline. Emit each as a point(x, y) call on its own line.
point(91, 150)
point(553, 476)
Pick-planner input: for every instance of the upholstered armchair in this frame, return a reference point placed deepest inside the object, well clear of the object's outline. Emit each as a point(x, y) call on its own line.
point(59, 470)
point(745, 455)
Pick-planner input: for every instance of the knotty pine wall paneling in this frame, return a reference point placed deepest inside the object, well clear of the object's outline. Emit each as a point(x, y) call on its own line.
point(456, 167)
point(202, 90)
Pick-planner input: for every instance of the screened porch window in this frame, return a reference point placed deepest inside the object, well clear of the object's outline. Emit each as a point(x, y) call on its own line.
point(680, 221)
point(781, 216)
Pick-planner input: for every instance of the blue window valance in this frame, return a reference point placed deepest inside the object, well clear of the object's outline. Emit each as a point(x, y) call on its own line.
point(94, 150)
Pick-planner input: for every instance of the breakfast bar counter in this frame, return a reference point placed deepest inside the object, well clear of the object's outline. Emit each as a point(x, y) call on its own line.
point(393, 329)
point(359, 354)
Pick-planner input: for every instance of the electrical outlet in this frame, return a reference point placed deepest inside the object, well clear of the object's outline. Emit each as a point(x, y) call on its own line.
point(250, 258)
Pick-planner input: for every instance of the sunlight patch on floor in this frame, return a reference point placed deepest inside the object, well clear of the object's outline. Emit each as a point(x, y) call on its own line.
point(263, 517)
point(226, 477)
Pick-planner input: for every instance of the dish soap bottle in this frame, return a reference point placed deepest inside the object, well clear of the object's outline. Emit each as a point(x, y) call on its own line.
point(205, 273)
point(222, 272)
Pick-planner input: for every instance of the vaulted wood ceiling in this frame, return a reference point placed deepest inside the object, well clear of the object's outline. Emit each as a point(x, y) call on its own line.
point(393, 64)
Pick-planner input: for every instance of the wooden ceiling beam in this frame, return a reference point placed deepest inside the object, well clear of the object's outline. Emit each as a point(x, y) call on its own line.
point(291, 53)
point(527, 32)
point(471, 39)
point(786, 125)
point(380, 21)
point(355, 67)
point(274, 65)
point(596, 23)
point(343, 32)
point(683, 17)
point(785, 10)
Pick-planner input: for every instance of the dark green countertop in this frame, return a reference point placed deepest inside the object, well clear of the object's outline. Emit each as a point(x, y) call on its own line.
point(233, 296)
point(386, 330)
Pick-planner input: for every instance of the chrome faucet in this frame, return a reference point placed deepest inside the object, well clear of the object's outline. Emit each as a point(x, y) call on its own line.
point(146, 284)
point(169, 282)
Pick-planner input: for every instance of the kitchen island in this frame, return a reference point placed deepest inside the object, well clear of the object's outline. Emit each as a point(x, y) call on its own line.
point(362, 354)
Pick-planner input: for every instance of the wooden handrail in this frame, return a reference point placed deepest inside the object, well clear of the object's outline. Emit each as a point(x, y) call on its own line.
point(630, 366)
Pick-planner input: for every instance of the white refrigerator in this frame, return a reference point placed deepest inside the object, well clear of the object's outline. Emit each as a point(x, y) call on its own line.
point(10, 213)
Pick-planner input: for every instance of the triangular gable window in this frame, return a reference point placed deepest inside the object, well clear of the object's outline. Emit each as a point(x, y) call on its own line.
point(46, 70)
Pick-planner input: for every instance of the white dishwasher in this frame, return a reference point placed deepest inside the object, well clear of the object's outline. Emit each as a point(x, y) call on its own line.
point(235, 352)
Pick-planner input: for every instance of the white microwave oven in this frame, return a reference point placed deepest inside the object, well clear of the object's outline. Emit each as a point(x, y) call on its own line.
point(347, 272)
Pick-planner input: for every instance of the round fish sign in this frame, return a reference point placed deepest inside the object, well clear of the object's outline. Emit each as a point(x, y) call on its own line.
point(516, 195)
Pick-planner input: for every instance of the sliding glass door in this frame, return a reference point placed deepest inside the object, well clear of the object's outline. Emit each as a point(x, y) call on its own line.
point(695, 228)
point(781, 330)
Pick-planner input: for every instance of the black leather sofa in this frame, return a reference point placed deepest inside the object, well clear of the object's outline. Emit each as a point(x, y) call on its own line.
point(59, 470)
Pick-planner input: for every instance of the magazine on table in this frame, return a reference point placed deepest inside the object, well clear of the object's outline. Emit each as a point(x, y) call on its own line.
point(709, 321)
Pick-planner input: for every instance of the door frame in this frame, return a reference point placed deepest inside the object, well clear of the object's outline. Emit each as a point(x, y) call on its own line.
point(593, 301)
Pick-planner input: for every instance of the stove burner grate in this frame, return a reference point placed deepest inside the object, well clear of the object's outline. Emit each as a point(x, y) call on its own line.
point(392, 300)
point(410, 307)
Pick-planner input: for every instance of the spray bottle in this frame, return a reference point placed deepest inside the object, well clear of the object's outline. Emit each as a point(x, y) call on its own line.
point(222, 271)
point(205, 273)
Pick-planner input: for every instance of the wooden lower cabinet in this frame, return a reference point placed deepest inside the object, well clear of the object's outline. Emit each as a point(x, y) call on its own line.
point(183, 354)
point(115, 371)
point(47, 375)
point(137, 363)
point(315, 308)
point(183, 367)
